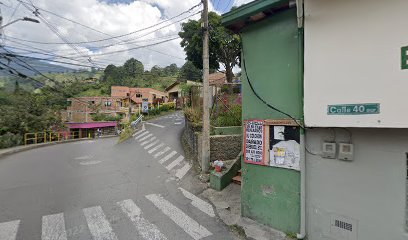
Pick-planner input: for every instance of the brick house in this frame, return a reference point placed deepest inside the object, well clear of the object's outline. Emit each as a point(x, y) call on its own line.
point(81, 109)
point(138, 94)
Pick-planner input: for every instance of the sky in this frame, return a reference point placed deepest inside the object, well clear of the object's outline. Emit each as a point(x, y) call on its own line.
point(103, 19)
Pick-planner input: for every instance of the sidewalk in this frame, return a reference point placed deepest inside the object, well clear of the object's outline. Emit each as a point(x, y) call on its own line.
point(228, 207)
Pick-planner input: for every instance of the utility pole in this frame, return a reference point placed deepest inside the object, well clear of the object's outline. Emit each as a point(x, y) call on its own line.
point(205, 161)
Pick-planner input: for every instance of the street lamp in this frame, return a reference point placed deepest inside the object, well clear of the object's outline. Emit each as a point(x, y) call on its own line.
point(27, 19)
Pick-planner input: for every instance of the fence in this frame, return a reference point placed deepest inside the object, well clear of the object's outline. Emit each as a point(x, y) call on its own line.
point(44, 137)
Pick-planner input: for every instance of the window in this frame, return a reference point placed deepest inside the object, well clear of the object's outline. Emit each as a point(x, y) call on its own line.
point(108, 103)
point(138, 95)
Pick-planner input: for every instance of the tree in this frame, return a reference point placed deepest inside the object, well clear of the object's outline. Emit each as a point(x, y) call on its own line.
point(189, 72)
point(224, 45)
point(133, 68)
point(171, 70)
point(156, 71)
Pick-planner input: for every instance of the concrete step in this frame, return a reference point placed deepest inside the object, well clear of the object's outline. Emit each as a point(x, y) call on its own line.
point(237, 179)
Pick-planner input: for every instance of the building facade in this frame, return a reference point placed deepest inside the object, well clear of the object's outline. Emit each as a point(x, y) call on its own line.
point(138, 94)
point(81, 109)
point(322, 85)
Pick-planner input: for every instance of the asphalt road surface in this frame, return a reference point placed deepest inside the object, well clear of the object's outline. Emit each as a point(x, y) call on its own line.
point(98, 190)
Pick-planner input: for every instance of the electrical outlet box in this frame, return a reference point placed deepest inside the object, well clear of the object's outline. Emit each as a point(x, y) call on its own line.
point(329, 150)
point(346, 151)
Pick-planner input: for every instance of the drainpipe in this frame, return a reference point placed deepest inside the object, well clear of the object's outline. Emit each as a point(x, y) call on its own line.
point(302, 164)
point(302, 234)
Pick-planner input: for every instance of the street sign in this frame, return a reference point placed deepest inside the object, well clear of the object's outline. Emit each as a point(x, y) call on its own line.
point(353, 109)
point(145, 106)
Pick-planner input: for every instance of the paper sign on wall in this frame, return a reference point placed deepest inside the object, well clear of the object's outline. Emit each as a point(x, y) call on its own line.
point(254, 144)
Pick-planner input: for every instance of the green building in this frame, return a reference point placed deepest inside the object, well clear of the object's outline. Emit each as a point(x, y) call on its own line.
point(272, 87)
point(346, 107)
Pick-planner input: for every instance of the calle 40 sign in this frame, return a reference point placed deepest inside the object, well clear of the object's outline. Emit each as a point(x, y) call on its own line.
point(353, 109)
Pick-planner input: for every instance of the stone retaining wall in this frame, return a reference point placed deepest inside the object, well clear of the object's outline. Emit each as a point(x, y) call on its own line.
point(222, 147)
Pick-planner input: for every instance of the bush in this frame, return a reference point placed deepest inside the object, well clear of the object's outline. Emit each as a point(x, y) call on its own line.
point(10, 140)
point(154, 111)
point(170, 105)
point(230, 117)
point(193, 115)
point(126, 133)
point(164, 108)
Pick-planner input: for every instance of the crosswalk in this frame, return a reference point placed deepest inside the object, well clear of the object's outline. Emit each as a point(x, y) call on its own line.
point(177, 117)
point(101, 227)
point(171, 160)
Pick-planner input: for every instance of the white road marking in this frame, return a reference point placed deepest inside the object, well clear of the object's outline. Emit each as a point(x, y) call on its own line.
point(152, 144)
point(156, 148)
point(8, 230)
point(86, 157)
point(146, 229)
point(141, 135)
point(197, 202)
point(178, 123)
point(136, 133)
point(175, 163)
point(53, 227)
point(167, 157)
point(183, 171)
point(166, 149)
point(146, 137)
point(90, 163)
point(156, 125)
point(189, 225)
point(148, 141)
point(98, 224)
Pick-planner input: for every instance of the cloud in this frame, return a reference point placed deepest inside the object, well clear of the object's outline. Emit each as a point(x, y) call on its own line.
point(242, 2)
point(112, 18)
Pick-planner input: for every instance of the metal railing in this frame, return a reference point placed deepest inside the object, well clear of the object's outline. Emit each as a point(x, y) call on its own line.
point(44, 137)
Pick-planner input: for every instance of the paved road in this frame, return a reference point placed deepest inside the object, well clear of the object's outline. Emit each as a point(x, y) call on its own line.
point(100, 190)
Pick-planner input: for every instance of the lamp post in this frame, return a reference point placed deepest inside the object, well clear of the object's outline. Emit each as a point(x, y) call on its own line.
point(27, 19)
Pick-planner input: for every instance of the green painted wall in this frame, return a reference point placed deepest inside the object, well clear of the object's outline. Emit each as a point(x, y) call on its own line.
point(272, 49)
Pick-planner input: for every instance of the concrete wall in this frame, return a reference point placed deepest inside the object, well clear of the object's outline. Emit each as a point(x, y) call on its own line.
point(353, 55)
point(369, 191)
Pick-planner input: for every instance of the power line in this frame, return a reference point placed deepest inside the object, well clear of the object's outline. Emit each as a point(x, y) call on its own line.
point(226, 7)
point(118, 36)
point(113, 37)
point(63, 43)
point(259, 97)
point(14, 12)
point(54, 29)
point(47, 53)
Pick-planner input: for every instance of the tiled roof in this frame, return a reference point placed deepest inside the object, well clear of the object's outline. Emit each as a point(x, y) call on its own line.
point(217, 79)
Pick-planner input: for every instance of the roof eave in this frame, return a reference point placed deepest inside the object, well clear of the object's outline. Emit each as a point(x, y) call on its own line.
point(254, 11)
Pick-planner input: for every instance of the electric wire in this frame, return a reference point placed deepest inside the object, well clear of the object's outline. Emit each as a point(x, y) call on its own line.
point(118, 36)
point(259, 97)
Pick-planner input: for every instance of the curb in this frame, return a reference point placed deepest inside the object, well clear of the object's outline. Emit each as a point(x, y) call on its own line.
point(9, 151)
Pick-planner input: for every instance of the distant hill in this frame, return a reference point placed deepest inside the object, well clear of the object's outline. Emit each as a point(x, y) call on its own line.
point(39, 65)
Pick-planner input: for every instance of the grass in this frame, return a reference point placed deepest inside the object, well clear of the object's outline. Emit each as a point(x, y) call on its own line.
point(238, 230)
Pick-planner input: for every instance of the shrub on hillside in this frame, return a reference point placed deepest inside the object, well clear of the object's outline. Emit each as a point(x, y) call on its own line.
point(10, 140)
